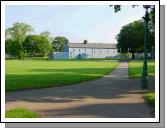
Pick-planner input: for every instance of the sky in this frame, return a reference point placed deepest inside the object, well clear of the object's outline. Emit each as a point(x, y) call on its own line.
point(95, 23)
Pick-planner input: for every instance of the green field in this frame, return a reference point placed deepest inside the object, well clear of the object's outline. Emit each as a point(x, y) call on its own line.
point(30, 74)
point(135, 69)
point(20, 113)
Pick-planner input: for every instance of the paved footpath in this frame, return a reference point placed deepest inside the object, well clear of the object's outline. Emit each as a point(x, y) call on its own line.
point(113, 96)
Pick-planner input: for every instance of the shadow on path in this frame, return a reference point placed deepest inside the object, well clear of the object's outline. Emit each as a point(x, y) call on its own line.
point(114, 95)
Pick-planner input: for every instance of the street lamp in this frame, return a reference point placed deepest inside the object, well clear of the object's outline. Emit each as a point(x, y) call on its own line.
point(145, 71)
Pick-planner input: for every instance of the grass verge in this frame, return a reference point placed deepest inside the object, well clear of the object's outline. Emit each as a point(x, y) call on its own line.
point(150, 98)
point(135, 69)
point(20, 113)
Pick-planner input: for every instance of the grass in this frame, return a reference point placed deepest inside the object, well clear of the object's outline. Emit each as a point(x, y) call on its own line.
point(20, 113)
point(135, 69)
point(31, 74)
point(150, 98)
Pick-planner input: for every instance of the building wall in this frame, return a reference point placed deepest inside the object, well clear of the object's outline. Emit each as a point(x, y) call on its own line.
point(66, 48)
point(92, 53)
point(60, 55)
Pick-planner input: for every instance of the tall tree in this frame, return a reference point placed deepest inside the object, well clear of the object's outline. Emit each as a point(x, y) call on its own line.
point(47, 34)
point(58, 43)
point(151, 28)
point(131, 37)
point(17, 34)
point(18, 31)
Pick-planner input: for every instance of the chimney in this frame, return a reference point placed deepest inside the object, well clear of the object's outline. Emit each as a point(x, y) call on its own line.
point(85, 41)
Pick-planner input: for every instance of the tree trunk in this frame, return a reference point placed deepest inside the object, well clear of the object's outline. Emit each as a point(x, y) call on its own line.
point(133, 56)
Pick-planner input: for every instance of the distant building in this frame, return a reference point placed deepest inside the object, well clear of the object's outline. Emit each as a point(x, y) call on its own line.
point(87, 50)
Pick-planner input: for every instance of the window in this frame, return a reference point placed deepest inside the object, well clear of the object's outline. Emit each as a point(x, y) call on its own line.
point(73, 50)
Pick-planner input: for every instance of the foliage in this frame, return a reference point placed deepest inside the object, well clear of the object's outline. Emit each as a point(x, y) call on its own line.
point(31, 74)
point(15, 36)
point(20, 113)
point(8, 45)
point(18, 31)
point(117, 8)
point(58, 43)
point(47, 34)
point(35, 45)
point(151, 35)
point(14, 48)
point(131, 37)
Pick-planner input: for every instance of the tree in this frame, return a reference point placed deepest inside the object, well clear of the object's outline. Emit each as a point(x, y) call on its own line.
point(18, 31)
point(16, 34)
point(35, 45)
point(58, 43)
point(136, 35)
point(47, 34)
point(131, 37)
point(14, 48)
point(8, 45)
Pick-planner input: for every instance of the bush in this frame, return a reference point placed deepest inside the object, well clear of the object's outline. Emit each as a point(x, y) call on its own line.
point(14, 48)
point(37, 46)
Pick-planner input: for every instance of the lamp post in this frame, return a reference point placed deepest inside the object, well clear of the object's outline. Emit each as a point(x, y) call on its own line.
point(121, 54)
point(128, 53)
point(145, 71)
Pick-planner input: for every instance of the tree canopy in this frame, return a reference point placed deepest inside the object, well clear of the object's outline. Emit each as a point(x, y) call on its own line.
point(18, 31)
point(14, 48)
point(35, 45)
point(131, 38)
point(15, 36)
point(47, 34)
point(58, 43)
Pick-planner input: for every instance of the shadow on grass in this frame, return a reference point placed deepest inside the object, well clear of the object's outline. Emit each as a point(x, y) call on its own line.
point(52, 77)
point(115, 86)
point(136, 72)
point(108, 87)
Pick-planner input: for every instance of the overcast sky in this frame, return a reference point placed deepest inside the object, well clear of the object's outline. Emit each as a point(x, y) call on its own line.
point(96, 23)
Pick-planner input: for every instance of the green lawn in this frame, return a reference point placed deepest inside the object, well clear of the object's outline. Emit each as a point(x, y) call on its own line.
point(150, 98)
point(135, 69)
point(20, 113)
point(28, 74)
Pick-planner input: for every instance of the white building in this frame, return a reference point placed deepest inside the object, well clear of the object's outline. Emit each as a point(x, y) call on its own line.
point(87, 50)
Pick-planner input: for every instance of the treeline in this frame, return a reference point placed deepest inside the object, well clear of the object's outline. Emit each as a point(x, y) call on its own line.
point(21, 42)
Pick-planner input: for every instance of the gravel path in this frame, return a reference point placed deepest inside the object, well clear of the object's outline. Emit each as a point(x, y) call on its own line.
point(113, 96)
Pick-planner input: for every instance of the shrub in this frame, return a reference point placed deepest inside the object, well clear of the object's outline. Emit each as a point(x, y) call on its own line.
point(37, 46)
